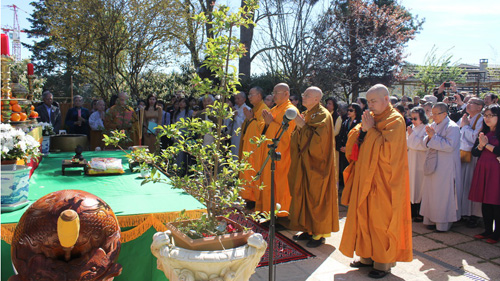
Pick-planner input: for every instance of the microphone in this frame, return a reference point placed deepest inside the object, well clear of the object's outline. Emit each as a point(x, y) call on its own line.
point(290, 114)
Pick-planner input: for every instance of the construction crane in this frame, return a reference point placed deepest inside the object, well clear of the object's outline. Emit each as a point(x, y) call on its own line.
point(15, 34)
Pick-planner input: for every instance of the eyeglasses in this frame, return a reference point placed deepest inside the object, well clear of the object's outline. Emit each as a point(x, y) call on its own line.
point(350, 110)
point(440, 113)
point(489, 115)
point(414, 119)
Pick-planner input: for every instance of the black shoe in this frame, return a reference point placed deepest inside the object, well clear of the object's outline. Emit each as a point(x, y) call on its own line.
point(418, 219)
point(315, 243)
point(431, 227)
point(377, 274)
point(302, 236)
point(473, 222)
point(358, 264)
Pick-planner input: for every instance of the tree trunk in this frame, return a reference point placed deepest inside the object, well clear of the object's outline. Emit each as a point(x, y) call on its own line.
point(246, 36)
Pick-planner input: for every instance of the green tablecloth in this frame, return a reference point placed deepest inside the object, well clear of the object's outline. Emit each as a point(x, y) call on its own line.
point(123, 193)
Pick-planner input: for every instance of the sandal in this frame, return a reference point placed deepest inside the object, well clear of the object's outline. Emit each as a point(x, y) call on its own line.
point(491, 241)
point(358, 264)
point(377, 274)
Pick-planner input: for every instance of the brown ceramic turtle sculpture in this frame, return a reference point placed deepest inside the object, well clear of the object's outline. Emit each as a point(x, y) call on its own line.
point(67, 235)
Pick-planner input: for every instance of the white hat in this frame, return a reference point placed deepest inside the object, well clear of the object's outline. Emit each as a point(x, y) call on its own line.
point(430, 98)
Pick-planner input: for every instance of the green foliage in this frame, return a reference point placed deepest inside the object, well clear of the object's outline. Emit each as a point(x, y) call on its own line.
point(438, 69)
point(20, 67)
point(213, 177)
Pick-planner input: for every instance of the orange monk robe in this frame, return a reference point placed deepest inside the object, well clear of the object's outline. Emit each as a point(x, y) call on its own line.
point(282, 191)
point(378, 222)
point(123, 118)
point(251, 129)
point(312, 177)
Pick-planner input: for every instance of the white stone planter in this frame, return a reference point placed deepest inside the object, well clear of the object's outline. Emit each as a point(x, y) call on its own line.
point(15, 187)
point(236, 264)
point(46, 145)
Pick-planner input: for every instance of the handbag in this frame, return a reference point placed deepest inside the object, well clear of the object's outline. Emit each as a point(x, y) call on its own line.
point(465, 156)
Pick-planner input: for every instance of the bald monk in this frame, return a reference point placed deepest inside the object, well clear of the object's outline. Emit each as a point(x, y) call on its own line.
point(378, 222)
point(273, 120)
point(312, 177)
point(252, 128)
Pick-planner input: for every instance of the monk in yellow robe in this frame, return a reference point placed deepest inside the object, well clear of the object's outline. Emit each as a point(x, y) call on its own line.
point(312, 175)
point(252, 128)
point(273, 120)
point(123, 117)
point(378, 222)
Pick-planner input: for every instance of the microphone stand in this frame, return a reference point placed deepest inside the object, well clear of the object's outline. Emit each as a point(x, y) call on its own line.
point(274, 156)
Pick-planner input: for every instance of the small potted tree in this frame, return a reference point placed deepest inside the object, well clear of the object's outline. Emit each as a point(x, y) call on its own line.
point(212, 174)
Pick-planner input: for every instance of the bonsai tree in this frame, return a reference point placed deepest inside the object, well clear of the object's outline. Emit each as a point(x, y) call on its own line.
point(212, 176)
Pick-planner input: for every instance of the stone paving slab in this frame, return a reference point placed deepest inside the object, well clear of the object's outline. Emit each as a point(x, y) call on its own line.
point(425, 244)
point(449, 238)
point(454, 257)
point(480, 249)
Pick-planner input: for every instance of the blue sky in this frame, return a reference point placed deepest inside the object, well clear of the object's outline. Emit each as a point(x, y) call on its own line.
point(468, 30)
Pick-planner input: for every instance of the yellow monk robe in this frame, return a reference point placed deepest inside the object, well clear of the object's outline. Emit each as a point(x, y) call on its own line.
point(123, 118)
point(378, 222)
point(282, 191)
point(251, 129)
point(312, 177)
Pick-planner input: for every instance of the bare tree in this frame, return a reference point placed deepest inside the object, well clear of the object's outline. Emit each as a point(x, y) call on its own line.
point(285, 40)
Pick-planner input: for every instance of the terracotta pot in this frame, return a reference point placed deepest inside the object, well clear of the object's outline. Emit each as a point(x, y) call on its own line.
point(219, 242)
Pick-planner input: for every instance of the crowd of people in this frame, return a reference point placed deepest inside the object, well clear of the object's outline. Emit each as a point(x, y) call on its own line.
point(434, 160)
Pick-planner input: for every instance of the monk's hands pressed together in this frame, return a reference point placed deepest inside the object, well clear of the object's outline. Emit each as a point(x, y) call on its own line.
point(248, 113)
point(367, 121)
point(430, 131)
point(300, 121)
point(268, 117)
point(409, 130)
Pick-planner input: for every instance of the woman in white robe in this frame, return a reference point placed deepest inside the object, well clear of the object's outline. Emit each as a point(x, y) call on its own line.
point(439, 205)
point(416, 158)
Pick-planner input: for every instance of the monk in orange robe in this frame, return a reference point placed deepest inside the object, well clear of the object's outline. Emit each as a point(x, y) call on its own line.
point(312, 176)
point(252, 128)
point(378, 222)
point(122, 117)
point(273, 120)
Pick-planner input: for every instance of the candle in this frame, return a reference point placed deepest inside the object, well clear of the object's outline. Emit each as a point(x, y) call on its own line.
point(30, 69)
point(5, 45)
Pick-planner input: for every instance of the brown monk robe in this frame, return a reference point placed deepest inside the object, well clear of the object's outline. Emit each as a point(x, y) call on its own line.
point(378, 222)
point(274, 119)
point(312, 177)
point(252, 128)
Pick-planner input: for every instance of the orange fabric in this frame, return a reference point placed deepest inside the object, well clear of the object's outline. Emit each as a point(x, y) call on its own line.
point(312, 175)
point(378, 223)
point(282, 191)
point(120, 118)
point(252, 129)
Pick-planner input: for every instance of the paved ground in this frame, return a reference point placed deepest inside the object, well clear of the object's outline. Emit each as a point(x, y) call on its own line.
point(454, 255)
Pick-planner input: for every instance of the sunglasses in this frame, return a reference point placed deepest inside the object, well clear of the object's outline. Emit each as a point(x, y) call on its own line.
point(414, 119)
point(350, 110)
